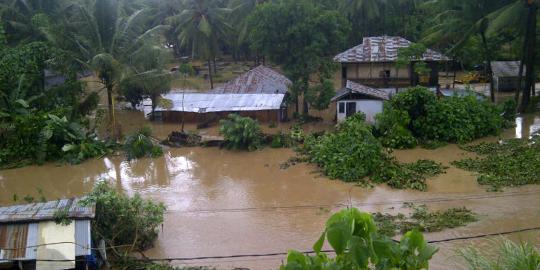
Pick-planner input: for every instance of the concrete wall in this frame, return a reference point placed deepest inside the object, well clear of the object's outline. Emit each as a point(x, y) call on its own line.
point(369, 107)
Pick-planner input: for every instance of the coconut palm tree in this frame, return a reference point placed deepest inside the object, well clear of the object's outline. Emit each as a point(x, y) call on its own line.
point(24, 19)
point(458, 21)
point(105, 40)
point(521, 15)
point(200, 26)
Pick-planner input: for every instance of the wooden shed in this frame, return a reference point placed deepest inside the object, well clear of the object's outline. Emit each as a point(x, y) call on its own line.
point(31, 239)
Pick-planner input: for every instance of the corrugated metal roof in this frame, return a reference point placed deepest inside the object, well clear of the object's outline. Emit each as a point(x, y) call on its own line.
point(45, 211)
point(382, 49)
point(353, 87)
point(506, 68)
point(260, 80)
point(203, 103)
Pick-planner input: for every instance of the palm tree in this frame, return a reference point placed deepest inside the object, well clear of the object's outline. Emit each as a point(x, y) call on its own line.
point(240, 11)
point(200, 26)
point(24, 19)
point(458, 21)
point(521, 14)
point(106, 42)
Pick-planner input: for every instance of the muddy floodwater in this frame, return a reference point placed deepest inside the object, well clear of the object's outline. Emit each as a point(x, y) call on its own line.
point(223, 203)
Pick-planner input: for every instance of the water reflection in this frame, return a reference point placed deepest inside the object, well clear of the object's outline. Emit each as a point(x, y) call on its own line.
point(238, 190)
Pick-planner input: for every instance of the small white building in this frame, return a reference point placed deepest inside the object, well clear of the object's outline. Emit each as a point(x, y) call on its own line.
point(356, 98)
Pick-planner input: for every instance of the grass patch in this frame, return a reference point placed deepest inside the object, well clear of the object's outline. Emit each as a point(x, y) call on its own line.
point(423, 220)
point(508, 163)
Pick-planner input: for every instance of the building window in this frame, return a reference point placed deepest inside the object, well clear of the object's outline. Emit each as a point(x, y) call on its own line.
point(385, 73)
point(341, 107)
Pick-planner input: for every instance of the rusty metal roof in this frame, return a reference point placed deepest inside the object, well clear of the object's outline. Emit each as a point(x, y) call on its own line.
point(260, 80)
point(45, 211)
point(357, 88)
point(382, 49)
point(506, 68)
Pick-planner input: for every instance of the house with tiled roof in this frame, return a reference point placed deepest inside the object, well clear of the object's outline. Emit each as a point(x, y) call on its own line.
point(373, 63)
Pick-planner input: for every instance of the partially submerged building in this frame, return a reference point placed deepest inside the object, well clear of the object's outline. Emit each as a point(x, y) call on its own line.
point(259, 93)
point(31, 239)
point(506, 75)
point(354, 98)
point(373, 63)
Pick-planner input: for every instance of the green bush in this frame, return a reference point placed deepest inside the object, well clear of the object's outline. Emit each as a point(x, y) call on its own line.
point(349, 154)
point(449, 119)
point(391, 129)
point(241, 132)
point(140, 145)
point(41, 137)
point(120, 220)
point(353, 154)
point(354, 237)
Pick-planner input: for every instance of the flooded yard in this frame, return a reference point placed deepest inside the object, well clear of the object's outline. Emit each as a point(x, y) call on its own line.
point(222, 203)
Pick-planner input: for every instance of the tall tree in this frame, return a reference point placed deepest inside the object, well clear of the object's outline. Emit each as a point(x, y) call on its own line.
point(201, 25)
point(105, 39)
point(459, 20)
point(302, 38)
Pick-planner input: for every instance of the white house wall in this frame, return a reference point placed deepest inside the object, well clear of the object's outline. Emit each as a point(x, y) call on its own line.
point(369, 107)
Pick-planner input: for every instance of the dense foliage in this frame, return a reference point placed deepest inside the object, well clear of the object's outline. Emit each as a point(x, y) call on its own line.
point(353, 154)
point(127, 224)
point(350, 154)
point(358, 245)
point(512, 162)
point(301, 36)
point(140, 145)
point(241, 132)
point(419, 113)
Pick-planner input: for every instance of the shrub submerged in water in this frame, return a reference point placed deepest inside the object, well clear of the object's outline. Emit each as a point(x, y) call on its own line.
point(241, 132)
point(124, 221)
point(353, 154)
point(449, 119)
point(140, 144)
point(349, 154)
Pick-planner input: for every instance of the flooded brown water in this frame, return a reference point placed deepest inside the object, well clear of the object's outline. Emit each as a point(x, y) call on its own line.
point(225, 203)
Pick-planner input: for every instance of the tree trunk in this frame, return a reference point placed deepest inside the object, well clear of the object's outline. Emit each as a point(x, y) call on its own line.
point(110, 103)
point(521, 65)
point(305, 87)
point(210, 74)
point(530, 40)
point(488, 67)
point(215, 66)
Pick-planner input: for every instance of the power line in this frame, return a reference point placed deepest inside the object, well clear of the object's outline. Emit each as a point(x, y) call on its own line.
point(299, 207)
point(258, 255)
point(294, 207)
point(327, 251)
